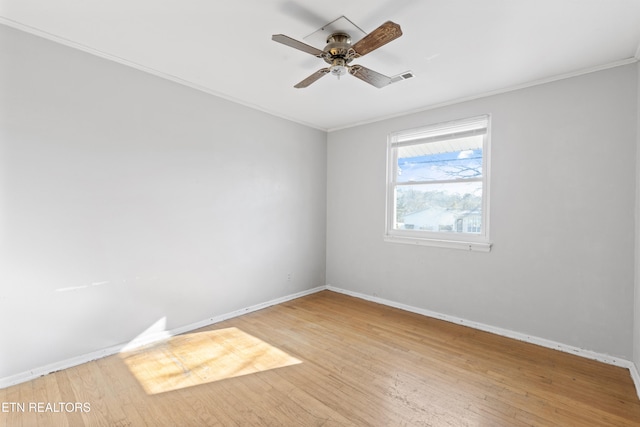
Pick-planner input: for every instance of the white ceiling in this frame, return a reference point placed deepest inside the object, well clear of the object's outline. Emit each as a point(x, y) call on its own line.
point(457, 49)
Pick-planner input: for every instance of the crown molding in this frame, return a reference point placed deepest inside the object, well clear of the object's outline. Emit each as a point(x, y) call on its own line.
point(481, 95)
point(96, 52)
point(123, 61)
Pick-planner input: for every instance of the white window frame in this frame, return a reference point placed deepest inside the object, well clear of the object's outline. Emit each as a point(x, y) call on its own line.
point(437, 132)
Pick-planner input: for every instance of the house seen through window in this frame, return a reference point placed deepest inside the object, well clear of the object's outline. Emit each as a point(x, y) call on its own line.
point(438, 183)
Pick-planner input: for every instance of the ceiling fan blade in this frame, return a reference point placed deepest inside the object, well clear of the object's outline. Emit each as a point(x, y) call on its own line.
point(281, 38)
point(369, 76)
point(312, 78)
point(382, 35)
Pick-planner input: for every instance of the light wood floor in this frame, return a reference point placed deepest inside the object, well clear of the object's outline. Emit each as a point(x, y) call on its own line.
point(332, 360)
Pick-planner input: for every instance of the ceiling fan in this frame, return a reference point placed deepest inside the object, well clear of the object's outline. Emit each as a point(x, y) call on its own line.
point(339, 53)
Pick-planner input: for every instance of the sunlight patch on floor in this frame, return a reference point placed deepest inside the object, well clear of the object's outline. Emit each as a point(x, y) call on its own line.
point(202, 357)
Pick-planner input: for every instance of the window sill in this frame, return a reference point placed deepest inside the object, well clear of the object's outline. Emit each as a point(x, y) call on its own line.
point(450, 244)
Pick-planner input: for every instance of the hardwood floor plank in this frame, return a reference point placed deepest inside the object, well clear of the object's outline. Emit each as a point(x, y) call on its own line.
point(304, 405)
point(65, 381)
point(3, 415)
point(328, 359)
point(11, 415)
point(120, 383)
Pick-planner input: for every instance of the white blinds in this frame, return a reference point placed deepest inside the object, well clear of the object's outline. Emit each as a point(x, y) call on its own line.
point(460, 129)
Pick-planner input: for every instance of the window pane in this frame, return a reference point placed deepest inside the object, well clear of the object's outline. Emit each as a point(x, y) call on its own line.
point(442, 160)
point(445, 207)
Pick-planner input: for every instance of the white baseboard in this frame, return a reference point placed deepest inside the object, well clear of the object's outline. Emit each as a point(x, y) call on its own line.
point(68, 363)
point(79, 360)
point(56, 366)
point(505, 333)
point(635, 376)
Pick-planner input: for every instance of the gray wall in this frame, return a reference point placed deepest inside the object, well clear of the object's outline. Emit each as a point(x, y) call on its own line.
point(126, 199)
point(562, 216)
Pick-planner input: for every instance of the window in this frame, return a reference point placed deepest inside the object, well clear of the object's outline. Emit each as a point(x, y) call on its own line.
point(438, 186)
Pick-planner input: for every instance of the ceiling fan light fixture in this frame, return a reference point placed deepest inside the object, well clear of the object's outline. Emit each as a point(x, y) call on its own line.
point(338, 67)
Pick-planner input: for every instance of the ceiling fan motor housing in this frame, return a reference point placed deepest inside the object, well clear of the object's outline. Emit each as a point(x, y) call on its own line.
point(338, 46)
point(338, 53)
